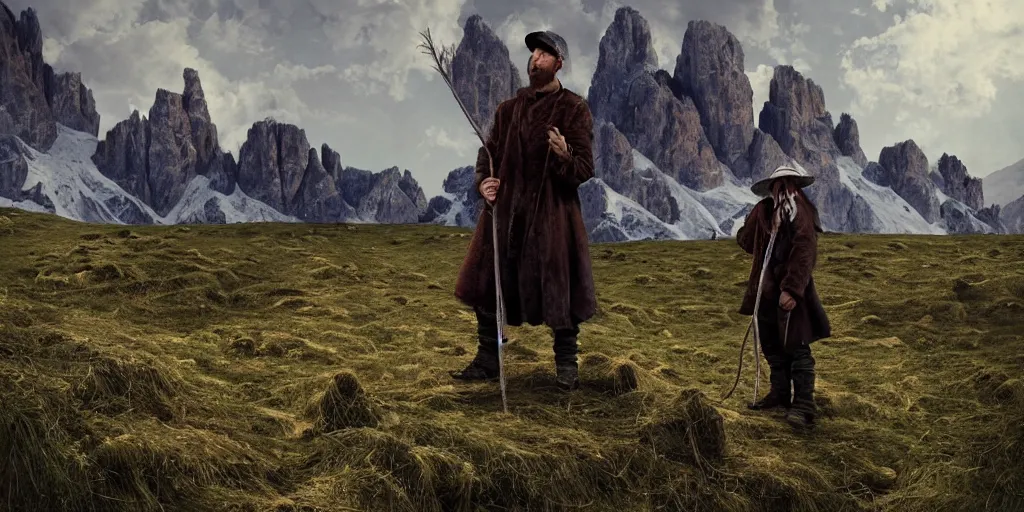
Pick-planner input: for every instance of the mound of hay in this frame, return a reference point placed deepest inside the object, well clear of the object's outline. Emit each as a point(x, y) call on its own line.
point(6, 225)
point(374, 470)
point(284, 345)
point(343, 404)
point(157, 466)
point(688, 430)
point(617, 376)
point(117, 384)
point(967, 291)
point(39, 434)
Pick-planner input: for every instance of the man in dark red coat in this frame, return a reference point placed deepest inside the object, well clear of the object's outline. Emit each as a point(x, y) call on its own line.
point(541, 147)
point(791, 316)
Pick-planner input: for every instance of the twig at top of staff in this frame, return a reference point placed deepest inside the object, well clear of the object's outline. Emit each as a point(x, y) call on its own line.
point(442, 58)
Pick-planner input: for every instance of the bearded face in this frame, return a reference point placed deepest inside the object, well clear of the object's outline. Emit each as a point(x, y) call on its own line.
point(543, 67)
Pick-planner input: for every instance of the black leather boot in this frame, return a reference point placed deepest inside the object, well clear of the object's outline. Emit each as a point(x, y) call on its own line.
point(485, 365)
point(780, 395)
point(803, 412)
point(566, 351)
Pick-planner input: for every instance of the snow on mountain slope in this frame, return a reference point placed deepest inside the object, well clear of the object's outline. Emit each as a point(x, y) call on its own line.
point(696, 220)
point(613, 217)
point(960, 215)
point(70, 180)
point(203, 205)
point(891, 213)
point(1004, 185)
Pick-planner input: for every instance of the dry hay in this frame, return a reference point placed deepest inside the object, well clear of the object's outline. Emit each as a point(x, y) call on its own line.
point(6, 225)
point(376, 470)
point(125, 382)
point(43, 468)
point(614, 375)
point(157, 465)
point(342, 404)
point(687, 430)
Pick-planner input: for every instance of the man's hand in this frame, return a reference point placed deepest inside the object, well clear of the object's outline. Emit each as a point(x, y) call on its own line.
point(787, 302)
point(489, 189)
point(556, 141)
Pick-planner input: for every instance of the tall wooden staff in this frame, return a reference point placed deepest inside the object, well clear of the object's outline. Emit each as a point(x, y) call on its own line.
point(443, 65)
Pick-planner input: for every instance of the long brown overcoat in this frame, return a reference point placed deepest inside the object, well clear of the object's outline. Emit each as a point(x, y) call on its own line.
point(543, 245)
point(794, 257)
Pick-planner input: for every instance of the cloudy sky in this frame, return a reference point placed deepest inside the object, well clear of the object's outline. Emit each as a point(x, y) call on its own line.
point(947, 73)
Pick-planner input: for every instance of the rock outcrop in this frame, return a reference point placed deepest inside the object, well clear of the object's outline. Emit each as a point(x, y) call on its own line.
point(955, 182)
point(271, 164)
point(795, 116)
point(387, 197)
point(625, 52)
point(847, 138)
point(765, 156)
point(905, 170)
point(482, 72)
point(156, 158)
point(72, 102)
point(24, 111)
point(33, 98)
point(13, 167)
point(617, 169)
point(483, 75)
point(710, 70)
point(643, 106)
point(1012, 216)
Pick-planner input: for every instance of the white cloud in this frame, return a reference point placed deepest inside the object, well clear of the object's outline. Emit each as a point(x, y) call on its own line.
point(945, 54)
point(881, 5)
point(462, 144)
point(383, 37)
point(760, 81)
point(936, 68)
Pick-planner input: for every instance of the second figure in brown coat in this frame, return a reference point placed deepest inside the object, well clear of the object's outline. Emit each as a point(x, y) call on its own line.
point(790, 316)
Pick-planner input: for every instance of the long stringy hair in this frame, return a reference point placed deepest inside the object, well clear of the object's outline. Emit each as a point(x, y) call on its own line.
point(792, 198)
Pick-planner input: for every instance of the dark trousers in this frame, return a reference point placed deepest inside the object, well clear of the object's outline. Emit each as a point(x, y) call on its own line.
point(793, 367)
point(565, 343)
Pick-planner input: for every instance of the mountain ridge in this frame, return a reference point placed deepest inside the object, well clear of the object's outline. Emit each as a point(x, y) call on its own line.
point(675, 153)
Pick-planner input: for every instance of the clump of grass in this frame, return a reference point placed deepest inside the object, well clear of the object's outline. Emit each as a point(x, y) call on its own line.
point(40, 429)
point(689, 430)
point(6, 225)
point(121, 383)
point(376, 470)
point(285, 345)
point(155, 465)
point(343, 404)
point(617, 376)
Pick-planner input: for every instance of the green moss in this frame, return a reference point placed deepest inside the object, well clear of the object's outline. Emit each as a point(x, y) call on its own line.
point(182, 368)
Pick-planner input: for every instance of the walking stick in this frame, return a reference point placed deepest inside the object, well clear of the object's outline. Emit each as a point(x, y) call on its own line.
point(755, 324)
point(443, 65)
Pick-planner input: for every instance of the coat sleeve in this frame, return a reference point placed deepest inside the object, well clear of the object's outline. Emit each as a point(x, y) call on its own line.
point(745, 236)
point(802, 256)
point(483, 170)
point(579, 136)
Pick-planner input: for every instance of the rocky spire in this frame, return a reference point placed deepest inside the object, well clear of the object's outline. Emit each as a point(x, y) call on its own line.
point(482, 72)
point(710, 70)
point(641, 104)
point(958, 184)
point(847, 138)
point(904, 167)
point(625, 51)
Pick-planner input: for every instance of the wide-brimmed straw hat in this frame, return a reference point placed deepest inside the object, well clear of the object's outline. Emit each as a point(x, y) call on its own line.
point(763, 188)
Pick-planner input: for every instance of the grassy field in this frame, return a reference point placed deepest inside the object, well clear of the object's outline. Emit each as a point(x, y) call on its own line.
point(304, 368)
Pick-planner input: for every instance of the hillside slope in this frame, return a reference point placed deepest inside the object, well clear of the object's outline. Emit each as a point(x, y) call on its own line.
point(302, 367)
